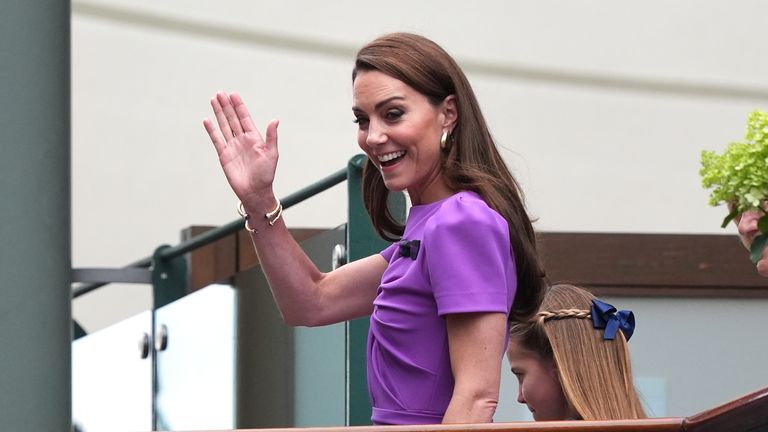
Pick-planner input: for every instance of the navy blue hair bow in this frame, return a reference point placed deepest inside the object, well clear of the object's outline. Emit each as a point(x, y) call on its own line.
point(604, 316)
point(409, 248)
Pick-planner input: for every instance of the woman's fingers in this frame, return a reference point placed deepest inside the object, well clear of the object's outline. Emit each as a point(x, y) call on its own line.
point(242, 113)
point(234, 120)
point(230, 114)
point(271, 134)
point(221, 118)
point(216, 137)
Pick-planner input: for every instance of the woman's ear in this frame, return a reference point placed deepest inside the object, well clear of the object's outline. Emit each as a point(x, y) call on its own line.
point(450, 112)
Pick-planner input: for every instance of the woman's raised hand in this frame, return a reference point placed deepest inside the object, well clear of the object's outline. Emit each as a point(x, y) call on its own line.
point(248, 160)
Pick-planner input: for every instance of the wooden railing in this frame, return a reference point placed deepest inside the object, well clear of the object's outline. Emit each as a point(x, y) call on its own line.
point(748, 413)
point(652, 265)
point(656, 265)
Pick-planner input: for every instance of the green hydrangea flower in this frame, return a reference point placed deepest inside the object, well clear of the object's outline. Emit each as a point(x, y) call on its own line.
point(739, 176)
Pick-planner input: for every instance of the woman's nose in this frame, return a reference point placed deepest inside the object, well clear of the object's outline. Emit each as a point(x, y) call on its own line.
point(376, 135)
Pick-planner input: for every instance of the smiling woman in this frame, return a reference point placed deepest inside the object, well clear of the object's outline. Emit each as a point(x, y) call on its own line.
point(440, 299)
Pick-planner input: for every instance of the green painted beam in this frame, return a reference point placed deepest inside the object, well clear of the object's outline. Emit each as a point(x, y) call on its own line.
point(35, 263)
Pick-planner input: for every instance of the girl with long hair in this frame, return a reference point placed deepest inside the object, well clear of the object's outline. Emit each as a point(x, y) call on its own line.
point(571, 360)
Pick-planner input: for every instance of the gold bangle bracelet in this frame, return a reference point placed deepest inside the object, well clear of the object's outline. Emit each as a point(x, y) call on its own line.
point(271, 216)
point(248, 227)
point(274, 215)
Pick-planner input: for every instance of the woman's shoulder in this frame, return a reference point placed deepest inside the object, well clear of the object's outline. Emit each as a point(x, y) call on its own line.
point(465, 209)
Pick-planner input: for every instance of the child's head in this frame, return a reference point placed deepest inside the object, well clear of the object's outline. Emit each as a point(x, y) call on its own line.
point(561, 347)
point(537, 377)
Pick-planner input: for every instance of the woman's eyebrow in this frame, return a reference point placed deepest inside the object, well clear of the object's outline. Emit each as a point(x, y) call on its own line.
point(380, 104)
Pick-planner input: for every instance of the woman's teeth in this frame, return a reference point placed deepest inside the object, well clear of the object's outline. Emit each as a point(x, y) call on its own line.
point(390, 158)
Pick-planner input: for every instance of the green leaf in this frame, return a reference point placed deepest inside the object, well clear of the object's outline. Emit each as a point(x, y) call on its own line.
point(756, 250)
point(729, 218)
point(762, 224)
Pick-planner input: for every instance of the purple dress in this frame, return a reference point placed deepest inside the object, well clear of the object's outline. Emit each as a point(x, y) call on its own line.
point(463, 264)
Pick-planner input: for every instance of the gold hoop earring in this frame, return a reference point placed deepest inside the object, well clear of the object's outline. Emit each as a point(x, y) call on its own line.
point(444, 139)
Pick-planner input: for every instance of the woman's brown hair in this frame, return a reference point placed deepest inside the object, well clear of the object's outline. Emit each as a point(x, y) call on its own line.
point(595, 374)
point(471, 160)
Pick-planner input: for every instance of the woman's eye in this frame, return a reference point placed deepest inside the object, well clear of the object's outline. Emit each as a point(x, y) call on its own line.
point(360, 121)
point(393, 114)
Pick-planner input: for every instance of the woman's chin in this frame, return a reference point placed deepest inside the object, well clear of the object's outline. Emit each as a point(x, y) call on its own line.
point(394, 186)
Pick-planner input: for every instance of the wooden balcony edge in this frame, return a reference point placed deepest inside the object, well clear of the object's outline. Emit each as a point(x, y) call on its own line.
point(614, 264)
point(748, 413)
point(649, 425)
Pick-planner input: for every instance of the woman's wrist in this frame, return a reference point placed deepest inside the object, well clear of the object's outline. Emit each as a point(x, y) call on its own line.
point(259, 203)
point(260, 212)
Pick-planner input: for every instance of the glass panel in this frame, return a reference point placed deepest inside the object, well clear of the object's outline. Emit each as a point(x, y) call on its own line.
point(229, 361)
point(319, 375)
point(111, 383)
point(319, 360)
point(288, 376)
point(692, 354)
point(195, 371)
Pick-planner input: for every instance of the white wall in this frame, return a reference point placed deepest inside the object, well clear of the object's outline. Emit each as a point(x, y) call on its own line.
point(602, 108)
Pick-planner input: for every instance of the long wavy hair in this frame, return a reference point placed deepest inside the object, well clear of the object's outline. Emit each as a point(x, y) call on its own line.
point(595, 374)
point(470, 162)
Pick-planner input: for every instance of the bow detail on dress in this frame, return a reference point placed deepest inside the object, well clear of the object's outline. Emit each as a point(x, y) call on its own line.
point(409, 248)
point(604, 316)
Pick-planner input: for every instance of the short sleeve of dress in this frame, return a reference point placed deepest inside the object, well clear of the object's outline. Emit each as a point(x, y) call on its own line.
point(470, 262)
point(388, 252)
